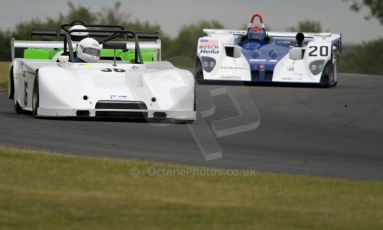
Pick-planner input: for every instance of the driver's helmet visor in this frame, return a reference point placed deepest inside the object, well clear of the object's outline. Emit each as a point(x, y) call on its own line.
point(257, 35)
point(92, 51)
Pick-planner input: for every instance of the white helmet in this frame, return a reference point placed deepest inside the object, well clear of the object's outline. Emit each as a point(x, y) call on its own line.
point(78, 36)
point(88, 50)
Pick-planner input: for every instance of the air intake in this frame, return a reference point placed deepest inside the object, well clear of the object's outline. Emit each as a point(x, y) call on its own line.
point(112, 114)
point(134, 105)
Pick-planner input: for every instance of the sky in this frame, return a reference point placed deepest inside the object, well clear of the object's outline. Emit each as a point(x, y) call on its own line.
point(171, 15)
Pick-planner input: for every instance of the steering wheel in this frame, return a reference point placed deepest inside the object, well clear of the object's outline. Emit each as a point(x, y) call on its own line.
point(57, 56)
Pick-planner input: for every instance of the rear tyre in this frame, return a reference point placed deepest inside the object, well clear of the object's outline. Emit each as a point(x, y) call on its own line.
point(35, 97)
point(199, 71)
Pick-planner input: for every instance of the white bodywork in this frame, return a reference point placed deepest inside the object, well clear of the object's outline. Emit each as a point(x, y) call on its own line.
point(297, 69)
point(324, 47)
point(234, 68)
point(69, 89)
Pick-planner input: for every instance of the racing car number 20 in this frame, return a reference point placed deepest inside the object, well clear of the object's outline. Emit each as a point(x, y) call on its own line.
point(316, 51)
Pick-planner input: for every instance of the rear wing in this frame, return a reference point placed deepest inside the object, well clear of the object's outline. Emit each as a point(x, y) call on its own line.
point(279, 36)
point(290, 36)
point(15, 44)
point(126, 40)
point(59, 33)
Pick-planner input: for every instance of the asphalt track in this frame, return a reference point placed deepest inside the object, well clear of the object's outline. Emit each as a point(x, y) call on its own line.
point(334, 132)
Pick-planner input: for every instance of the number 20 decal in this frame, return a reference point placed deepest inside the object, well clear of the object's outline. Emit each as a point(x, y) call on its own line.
point(315, 51)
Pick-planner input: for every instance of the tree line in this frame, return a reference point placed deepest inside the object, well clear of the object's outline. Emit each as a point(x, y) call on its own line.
point(363, 58)
point(183, 45)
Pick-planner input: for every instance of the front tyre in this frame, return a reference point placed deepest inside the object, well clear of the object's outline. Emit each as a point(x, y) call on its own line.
point(16, 105)
point(11, 85)
point(199, 71)
point(35, 97)
point(17, 108)
point(328, 76)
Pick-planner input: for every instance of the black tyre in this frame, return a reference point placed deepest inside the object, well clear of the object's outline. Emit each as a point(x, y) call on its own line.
point(199, 71)
point(328, 75)
point(16, 105)
point(35, 97)
point(17, 108)
point(11, 85)
point(195, 98)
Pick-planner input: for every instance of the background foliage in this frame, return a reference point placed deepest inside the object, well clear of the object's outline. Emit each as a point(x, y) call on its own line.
point(362, 58)
point(367, 57)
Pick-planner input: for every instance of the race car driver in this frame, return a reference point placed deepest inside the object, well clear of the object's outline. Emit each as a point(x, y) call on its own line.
point(88, 51)
point(78, 36)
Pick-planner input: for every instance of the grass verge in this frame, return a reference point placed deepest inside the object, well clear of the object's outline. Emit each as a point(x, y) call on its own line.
point(53, 191)
point(4, 75)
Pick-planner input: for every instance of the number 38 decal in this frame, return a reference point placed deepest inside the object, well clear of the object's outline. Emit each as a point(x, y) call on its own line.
point(108, 70)
point(315, 51)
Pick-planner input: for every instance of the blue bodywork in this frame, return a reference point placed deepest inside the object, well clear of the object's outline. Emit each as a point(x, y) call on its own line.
point(262, 54)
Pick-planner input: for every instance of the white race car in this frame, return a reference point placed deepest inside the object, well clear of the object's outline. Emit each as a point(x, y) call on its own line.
point(257, 56)
point(110, 88)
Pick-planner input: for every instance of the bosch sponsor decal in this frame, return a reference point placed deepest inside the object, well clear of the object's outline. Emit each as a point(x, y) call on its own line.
point(209, 46)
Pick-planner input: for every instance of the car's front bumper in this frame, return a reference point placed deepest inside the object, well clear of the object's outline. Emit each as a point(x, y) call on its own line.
point(116, 113)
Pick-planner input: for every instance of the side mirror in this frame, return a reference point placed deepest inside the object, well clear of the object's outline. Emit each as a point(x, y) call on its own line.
point(296, 53)
point(63, 59)
point(300, 39)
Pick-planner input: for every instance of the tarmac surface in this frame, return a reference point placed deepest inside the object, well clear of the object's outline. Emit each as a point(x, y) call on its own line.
point(336, 132)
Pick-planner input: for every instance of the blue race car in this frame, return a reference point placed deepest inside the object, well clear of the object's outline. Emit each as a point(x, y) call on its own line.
point(258, 56)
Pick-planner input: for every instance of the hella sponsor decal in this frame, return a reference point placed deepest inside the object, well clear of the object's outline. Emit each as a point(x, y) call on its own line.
point(209, 46)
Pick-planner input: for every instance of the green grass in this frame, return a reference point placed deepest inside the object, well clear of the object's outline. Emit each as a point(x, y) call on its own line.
point(4, 75)
point(53, 191)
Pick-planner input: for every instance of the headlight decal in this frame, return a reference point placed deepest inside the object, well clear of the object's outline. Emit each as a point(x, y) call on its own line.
point(208, 64)
point(316, 67)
